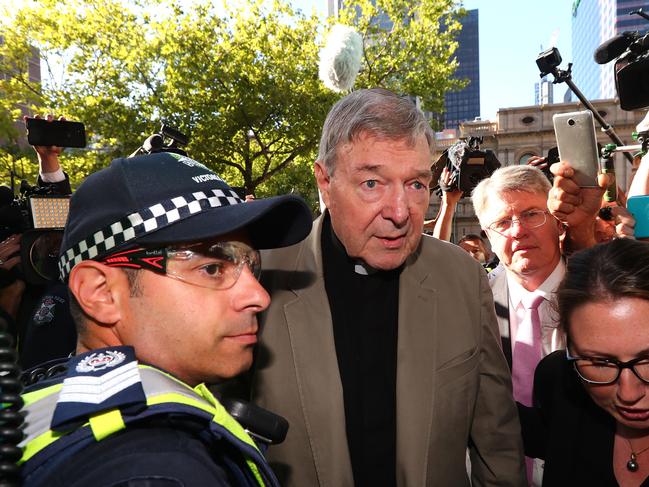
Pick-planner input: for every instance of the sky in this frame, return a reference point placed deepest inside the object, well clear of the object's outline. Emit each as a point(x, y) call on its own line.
point(511, 35)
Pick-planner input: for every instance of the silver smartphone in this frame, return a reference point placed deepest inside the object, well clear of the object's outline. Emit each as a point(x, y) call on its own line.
point(577, 143)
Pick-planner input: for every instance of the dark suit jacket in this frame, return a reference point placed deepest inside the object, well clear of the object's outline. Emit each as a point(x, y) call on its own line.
point(567, 429)
point(453, 385)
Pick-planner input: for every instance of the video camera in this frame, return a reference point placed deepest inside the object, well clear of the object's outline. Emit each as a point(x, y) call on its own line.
point(39, 214)
point(631, 53)
point(167, 140)
point(467, 164)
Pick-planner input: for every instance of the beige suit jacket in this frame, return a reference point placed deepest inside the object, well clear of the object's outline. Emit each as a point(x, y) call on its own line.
point(453, 384)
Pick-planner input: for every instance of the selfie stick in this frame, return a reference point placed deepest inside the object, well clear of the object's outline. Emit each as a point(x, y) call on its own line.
point(550, 61)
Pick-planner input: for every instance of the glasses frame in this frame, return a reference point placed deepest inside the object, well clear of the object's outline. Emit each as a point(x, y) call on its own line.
point(619, 364)
point(512, 220)
point(156, 259)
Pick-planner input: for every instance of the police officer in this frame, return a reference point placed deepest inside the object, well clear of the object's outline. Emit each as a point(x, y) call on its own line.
point(160, 257)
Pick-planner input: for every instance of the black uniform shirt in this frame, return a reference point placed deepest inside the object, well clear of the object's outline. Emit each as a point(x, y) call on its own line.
point(156, 454)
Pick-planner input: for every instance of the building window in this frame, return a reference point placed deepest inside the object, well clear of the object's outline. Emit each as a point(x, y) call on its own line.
point(525, 157)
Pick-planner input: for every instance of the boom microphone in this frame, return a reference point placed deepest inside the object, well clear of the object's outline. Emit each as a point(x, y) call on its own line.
point(615, 46)
point(340, 59)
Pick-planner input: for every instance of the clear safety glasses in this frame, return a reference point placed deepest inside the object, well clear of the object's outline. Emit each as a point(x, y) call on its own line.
point(215, 265)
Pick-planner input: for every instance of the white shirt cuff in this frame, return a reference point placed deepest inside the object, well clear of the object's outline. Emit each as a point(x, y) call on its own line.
point(53, 177)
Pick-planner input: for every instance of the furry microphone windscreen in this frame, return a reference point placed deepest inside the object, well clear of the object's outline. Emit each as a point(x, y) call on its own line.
point(340, 59)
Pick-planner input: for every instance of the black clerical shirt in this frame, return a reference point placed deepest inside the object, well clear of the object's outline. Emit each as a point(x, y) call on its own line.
point(364, 310)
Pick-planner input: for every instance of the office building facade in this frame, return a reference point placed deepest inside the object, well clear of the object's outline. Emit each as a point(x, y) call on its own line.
point(464, 105)
point(593, 22)
point(543, 92)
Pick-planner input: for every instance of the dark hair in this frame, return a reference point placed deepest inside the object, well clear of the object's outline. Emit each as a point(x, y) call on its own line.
point(615, 269)
point(471, 236)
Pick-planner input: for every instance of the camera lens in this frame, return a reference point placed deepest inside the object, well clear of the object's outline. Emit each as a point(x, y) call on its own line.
point(43, 254)
point(571, 122)
point(606, 213)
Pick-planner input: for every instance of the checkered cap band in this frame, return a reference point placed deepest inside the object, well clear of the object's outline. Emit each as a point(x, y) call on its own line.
point(142, 223)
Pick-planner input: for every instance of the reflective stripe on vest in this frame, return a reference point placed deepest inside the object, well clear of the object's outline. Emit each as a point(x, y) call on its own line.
point(161, 389)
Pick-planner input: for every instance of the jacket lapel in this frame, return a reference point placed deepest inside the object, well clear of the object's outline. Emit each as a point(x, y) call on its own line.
point(416, 358)
point(316, 368)
point(500, 292)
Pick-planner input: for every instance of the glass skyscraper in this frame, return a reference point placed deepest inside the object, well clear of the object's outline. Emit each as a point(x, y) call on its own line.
point(624, 21)
point(593, 22)
point(465, 104)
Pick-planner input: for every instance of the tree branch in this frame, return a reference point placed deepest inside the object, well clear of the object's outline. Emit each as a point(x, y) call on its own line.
point(276, 169)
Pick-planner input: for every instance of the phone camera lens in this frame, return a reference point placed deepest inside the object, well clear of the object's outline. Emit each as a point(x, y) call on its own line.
point(571, 122)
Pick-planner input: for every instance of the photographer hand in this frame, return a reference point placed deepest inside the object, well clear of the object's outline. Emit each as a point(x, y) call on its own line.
point(538, 161)
point(624, 222)
point(11, 295)
point(619, 222)
point(10, 252)
point(450, 197)
point(570, 203)
point(576, 207)
point(48, 156)
point(443, 225)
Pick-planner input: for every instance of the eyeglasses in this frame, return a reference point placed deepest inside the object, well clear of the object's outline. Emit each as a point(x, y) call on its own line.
point(607, 370)
point(214, 266)
point(528, 219)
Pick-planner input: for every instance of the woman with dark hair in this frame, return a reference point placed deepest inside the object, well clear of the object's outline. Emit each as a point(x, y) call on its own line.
point(591, 417)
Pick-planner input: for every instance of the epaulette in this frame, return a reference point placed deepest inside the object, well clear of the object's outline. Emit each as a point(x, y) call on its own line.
point(97, 381)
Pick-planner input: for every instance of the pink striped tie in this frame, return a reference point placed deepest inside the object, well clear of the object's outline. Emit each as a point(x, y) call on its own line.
point(526, 355)
point(527, 351)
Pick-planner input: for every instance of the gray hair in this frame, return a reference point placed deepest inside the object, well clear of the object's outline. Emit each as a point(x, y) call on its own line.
point(511, 178)
point(376, 111)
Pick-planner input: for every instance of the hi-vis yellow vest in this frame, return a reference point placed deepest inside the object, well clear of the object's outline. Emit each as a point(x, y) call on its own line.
point(58, 421)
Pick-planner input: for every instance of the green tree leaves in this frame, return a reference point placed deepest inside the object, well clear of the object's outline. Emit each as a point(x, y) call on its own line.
point(240, 79)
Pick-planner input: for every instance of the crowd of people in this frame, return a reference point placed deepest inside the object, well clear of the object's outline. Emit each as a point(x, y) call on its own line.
point(515, 357)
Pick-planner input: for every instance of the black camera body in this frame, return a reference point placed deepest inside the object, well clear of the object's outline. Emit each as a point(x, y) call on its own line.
point(168, 139)
point(632, 75)
point(468, 165)
point(630, 49)
point(39, 215)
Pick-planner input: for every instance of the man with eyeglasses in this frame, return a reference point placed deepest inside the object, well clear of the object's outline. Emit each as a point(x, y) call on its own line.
point(160, 257)
point(512, 208)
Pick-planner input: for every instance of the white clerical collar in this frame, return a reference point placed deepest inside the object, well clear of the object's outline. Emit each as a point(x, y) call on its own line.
point(363, 269)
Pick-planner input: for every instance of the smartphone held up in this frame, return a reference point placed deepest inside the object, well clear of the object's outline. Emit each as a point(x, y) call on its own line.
point(60, 133)
point(577, 144)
